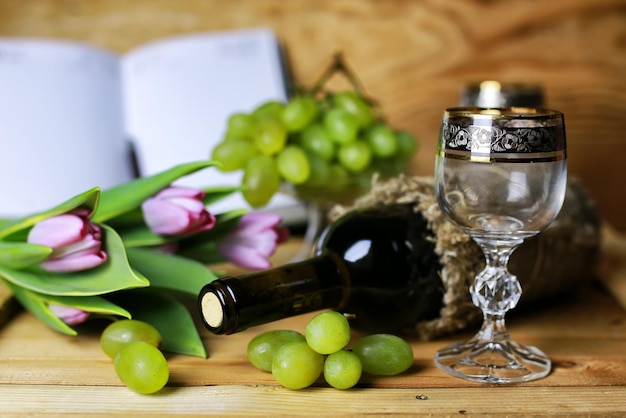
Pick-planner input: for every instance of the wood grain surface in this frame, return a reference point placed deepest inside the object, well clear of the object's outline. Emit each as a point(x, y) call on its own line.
point(413, 56)
point(585, 336)
point(45, 373)
point(272, 401)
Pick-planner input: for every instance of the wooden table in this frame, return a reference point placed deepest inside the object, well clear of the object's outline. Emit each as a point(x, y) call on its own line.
point(46, 373)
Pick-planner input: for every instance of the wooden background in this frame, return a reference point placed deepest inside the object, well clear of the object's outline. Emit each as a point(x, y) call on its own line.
point(412, 55)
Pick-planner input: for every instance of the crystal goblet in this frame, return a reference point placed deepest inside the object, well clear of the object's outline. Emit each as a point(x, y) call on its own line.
point(500, 175)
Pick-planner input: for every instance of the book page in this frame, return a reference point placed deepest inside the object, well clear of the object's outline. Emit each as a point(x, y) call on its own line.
point(61, 126)
point(180, 92)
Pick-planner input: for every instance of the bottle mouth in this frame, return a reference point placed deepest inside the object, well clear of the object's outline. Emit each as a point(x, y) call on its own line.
point(212, 311)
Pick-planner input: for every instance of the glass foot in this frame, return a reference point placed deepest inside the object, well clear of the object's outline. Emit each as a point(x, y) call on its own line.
point(502, 361)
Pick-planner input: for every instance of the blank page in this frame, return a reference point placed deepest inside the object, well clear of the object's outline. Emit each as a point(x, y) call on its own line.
point(61, 127)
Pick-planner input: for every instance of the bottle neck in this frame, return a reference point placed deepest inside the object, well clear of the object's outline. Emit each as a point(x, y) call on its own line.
point(233, 304)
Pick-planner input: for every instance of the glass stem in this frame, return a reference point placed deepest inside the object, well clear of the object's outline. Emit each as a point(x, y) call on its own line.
point(316, 222)
point(495, 290)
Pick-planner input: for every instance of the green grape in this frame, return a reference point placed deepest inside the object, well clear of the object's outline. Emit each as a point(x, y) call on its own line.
point(342, 369)
point(327, 332)
point(240, 125)
point(142, 367)
point(299, 113)
point(382, 140)
point(320, 171)
point(383, 354)
point(342, 126)
point(293, 164)
point(260, 180)
point(340, 178)
point(262, 348)
point(407, 144)
point(272, 109)
point(355, 157)
point(270, 136)
point(120, 333)
point(316, 140)
point(363, 181)
point(353, 103)
point(390, 167)
point(296, 365)
point(233, 153)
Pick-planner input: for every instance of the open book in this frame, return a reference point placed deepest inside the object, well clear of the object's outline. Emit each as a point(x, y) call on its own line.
point(70, 113)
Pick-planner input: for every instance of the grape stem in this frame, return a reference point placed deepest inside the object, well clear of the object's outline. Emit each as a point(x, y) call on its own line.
point(338, 66)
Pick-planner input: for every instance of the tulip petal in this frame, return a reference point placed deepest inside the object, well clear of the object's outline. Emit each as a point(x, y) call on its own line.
point(177, 210)
point(74, 240)
point(253, 240)
point(254, 222)
point(57, 231)
point(178, 191)
point(164, 217)
point(283, 234)
point(87, 245)
point(244, 256)
point(265, 242)
point(74, 263)
point(71, 316)
point(192, 205)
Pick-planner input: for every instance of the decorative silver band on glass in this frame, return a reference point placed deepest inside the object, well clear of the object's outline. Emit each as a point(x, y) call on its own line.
point(498, 143)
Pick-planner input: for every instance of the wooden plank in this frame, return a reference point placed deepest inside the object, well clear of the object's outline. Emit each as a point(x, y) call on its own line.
point(261, 400)
point(585, 336)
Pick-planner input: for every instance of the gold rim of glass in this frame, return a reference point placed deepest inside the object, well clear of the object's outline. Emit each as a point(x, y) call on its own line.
point(513, 112)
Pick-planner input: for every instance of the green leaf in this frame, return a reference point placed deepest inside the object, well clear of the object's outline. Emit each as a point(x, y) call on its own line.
point(227, 221)
point(115, 274)
point(39, 308)
point(204, 252)
point(4, 222)
point(38, 303)
point(88, 200)
point(170, 271)
point(131, 218)
point(19, 255)
point(95, 304)
point(128, 196)
point(142, 236)
point(202, 246)
point(169, 316)
point(215, 194)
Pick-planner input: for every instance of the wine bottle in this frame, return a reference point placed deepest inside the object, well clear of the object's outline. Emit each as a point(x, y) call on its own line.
point(390, 265)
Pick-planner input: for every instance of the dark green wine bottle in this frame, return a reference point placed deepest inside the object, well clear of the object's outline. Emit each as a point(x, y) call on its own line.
point(373, 264)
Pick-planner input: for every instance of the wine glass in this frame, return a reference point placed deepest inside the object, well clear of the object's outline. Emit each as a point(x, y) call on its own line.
point(500, 175)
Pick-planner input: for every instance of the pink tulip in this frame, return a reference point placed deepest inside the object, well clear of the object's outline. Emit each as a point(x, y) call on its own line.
point(71, 316)
point(177, 210)
point(253, 240)
point(75, 241)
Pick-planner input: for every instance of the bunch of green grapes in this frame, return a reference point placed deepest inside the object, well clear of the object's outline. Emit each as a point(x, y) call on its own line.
point(334, 143)
point(296, 361)
point(138, 362)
